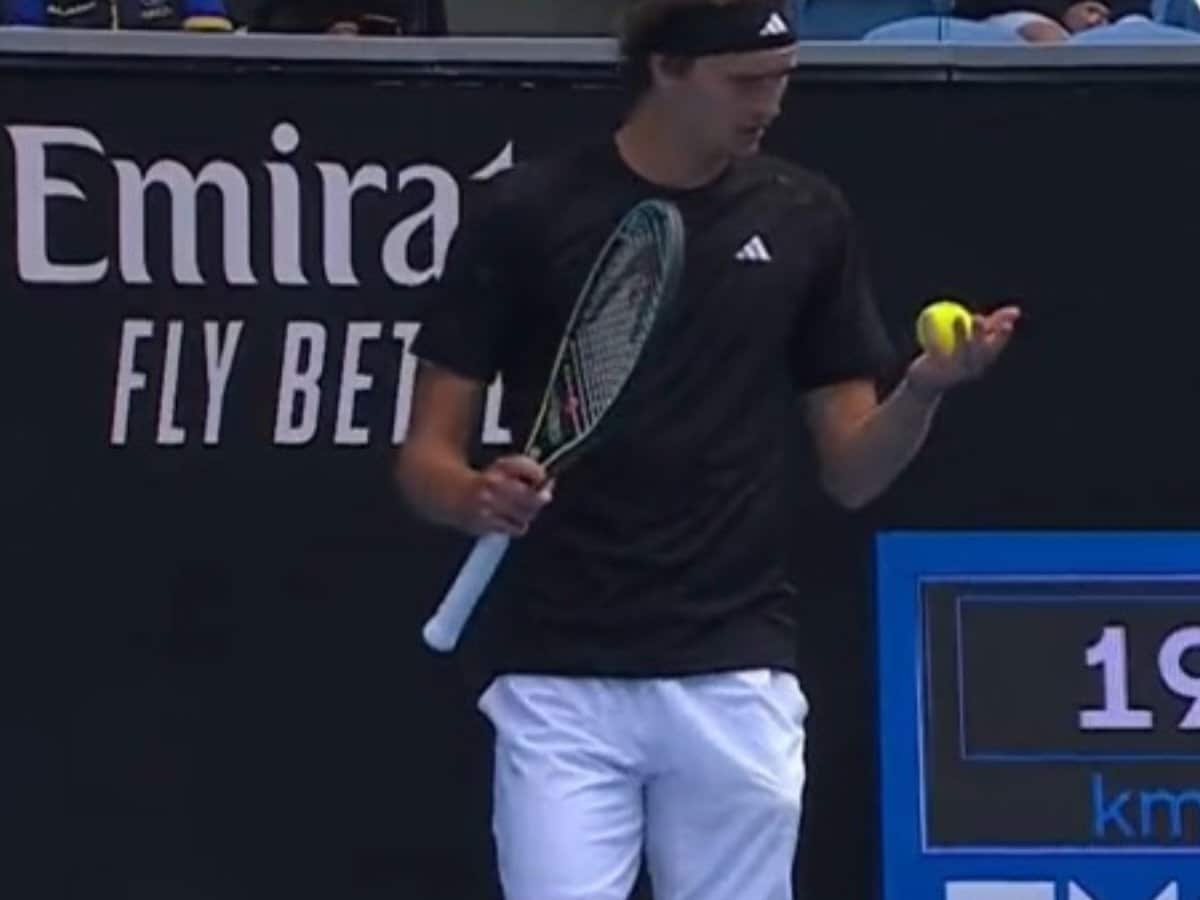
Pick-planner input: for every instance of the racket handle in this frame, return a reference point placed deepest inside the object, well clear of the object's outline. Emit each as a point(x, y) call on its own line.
point(444, 628)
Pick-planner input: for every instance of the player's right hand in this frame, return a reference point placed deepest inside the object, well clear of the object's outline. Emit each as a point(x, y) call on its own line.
point(507, 496)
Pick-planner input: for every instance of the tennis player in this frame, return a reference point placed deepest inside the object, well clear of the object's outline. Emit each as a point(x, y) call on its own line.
point(642, 630)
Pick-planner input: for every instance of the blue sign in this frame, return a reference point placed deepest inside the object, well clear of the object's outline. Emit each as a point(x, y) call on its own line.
point(1040, 716)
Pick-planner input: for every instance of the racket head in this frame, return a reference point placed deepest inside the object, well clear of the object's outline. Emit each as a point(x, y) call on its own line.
point(632, 283)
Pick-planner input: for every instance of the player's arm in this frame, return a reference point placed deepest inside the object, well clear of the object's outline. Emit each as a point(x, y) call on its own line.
point(840, 345)
point(460, 345)
point(863, 445)
point(434, 469)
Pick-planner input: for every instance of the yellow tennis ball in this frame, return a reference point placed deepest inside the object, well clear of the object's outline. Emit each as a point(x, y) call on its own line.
point(936, 326)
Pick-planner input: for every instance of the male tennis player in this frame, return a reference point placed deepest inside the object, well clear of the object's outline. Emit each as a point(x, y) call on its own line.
point(642, 629)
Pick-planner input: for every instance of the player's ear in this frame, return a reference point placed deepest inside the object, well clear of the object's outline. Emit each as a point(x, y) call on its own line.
point(668, 69)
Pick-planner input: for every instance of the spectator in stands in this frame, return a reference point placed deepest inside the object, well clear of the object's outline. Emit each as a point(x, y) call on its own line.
point(349, 17)
point(1042, 21)
point(155, 15)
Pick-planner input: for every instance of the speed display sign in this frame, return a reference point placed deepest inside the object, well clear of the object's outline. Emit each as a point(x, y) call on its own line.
point(1040, 714)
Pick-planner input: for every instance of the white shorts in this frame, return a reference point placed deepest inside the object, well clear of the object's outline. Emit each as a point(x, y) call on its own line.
point(703, 774)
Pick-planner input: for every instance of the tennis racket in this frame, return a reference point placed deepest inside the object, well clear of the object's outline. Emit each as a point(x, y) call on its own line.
point(632, 281)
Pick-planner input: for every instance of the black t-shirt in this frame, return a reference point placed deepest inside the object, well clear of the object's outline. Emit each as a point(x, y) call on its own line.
point(662, 552)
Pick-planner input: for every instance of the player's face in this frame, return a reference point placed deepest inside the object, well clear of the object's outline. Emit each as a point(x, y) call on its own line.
point(730, 100)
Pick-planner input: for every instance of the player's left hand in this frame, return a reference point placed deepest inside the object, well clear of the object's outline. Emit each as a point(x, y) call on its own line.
point(933, 373)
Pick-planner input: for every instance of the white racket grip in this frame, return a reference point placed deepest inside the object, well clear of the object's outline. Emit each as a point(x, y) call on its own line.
point(444, 628)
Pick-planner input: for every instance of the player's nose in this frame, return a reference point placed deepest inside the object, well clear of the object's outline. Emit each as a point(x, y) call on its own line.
point(765, 112)
point(773, 106)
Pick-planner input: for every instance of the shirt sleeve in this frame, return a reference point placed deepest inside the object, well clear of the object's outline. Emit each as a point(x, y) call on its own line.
point(839, 334)
point(467, 325)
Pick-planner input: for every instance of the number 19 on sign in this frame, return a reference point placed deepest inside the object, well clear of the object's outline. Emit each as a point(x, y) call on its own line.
point(1110, 654)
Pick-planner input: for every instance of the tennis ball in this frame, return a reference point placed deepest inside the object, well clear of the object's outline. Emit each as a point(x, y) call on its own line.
point(936, 324)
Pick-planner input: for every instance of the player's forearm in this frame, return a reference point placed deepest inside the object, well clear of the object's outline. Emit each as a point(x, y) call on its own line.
point(437, 485)
point(882, 445)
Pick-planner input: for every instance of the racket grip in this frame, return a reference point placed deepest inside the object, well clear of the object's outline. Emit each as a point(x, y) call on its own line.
point(445, 626)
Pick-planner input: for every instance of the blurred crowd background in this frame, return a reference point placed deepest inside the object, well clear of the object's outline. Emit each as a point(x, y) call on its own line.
point(967, 21)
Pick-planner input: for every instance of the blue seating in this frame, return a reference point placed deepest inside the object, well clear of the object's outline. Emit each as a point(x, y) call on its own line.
point(928, 21)
point(940, 30)
point(1178, 13)
point(198, 15)
point(852, 19)
point(1136, 30)
point(23, 12)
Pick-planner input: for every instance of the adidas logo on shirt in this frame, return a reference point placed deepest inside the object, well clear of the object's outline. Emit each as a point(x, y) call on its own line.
point(755, 250)
point(775, 25)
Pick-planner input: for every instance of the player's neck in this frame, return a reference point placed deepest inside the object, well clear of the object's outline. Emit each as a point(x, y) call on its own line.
point(657, 151)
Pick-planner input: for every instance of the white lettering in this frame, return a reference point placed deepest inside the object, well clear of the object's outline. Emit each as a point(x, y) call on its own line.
point(1032, 890)
point(285, 209)
point(353, 382)
point(132, 186)
point(1000, 890)
point(338, 195)
point(39, 196)
point(218, 357)
point(502, 163)
point(441, 214)
point(129, 379)
point(169, 433)
point(405, 333)
point(34, 188)
point(492, 432)
point(296, 383)
point(1169, 891)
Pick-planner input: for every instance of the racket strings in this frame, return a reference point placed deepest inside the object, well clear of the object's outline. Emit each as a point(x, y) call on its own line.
point(609, 328)
point(609, 340)
point(580, 405)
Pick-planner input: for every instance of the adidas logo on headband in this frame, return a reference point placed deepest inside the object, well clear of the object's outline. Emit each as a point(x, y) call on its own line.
point(775, 25)
point(703, 29)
